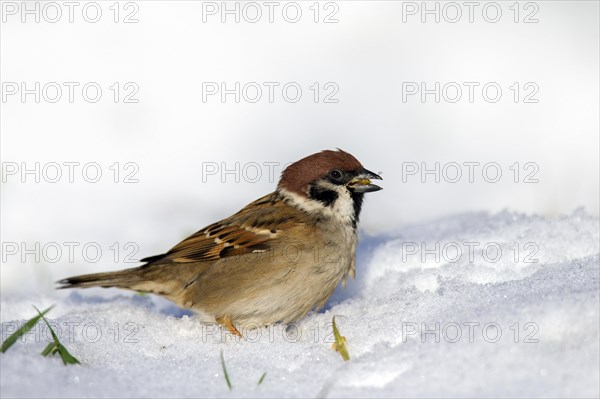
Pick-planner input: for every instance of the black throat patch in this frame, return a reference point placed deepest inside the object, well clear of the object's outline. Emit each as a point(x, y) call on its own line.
point(357, 199)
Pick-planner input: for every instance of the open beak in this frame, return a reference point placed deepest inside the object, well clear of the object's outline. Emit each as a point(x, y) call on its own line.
point(362, 182)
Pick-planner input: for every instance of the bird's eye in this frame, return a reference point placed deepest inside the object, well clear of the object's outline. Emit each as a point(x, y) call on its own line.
point(335, 174)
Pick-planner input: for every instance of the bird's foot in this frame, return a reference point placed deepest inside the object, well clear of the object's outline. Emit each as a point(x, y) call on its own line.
point(226, 322)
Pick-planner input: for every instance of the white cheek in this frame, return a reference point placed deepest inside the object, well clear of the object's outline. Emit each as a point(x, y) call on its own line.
point(342, 209)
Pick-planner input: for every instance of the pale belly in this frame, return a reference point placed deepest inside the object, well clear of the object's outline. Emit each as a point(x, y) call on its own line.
point(284, 290)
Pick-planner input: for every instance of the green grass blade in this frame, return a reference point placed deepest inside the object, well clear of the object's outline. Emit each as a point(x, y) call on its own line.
point(66, 357)
point(48, 351)
point(225, 372)
point(8, 342)
point(262, 378)
point(340, 342)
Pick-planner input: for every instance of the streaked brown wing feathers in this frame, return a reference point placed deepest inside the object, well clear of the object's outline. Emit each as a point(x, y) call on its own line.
point(251, 229)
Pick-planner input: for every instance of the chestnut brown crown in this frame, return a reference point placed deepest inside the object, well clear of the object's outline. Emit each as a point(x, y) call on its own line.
point(298, 176)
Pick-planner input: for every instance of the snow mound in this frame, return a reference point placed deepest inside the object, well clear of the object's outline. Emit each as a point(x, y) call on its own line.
point(469, 305)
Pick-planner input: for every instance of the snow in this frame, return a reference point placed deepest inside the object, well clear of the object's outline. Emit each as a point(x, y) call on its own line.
point(512, 327)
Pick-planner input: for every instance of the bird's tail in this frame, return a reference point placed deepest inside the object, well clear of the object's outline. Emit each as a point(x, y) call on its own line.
point(161, 279)
point(129, 278)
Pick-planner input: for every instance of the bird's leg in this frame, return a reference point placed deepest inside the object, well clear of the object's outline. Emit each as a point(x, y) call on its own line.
point(226, 322)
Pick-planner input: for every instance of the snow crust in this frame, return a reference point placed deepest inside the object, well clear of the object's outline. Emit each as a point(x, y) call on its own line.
point(523, 324)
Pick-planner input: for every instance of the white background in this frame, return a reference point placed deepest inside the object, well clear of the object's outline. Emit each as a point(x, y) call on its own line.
point(170, 133)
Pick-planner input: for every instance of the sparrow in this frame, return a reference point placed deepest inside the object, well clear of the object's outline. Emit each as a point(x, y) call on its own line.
point(274, 261)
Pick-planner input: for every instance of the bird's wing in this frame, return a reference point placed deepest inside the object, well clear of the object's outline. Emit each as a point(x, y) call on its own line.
point(253, 229)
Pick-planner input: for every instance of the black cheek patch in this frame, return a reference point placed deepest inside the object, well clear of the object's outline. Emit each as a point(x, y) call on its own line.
point(327, 197)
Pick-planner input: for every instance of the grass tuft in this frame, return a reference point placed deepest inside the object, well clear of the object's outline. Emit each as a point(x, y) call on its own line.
point(51, 349)
point(262, 378)
point(8, 342)
point(225, 372)
point(340, 342)
point(55, 346)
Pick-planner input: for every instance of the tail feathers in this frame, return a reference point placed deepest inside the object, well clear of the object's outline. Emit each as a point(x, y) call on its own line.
point(130, 278)
point(156, 278)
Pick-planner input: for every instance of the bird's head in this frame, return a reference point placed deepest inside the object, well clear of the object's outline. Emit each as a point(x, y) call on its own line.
point(328, 182)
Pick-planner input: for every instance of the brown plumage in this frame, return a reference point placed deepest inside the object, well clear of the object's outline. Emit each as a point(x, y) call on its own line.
point(275, 260)
point(314, 166)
